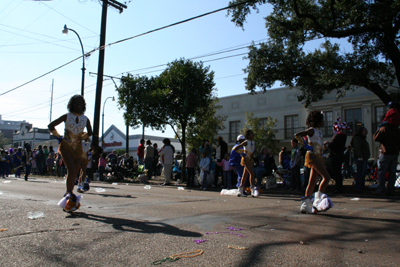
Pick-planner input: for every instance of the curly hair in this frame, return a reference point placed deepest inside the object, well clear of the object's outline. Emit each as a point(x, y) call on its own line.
point(314, 118)
point(71, 103)
point(247, 133)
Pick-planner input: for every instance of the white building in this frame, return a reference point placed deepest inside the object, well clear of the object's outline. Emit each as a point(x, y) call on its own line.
point(34, 136)
point(9, 128)
point(360, 107)
point(114, 139)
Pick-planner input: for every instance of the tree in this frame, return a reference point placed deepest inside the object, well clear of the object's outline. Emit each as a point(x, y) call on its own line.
point(371, 27)
point(139, 97)
point(120, 151)
point(4, 140)
point(179, 97)
point(264, 131)
point(208, 129)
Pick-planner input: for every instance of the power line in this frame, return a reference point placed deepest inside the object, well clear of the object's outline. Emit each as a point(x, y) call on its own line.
point(37, 40)
point(32, 22)
point(226, 50)
point(11, 10)
point(126, 39)
point(40, 76)
point(71, 20)
point(67, 95)
point(41, 41)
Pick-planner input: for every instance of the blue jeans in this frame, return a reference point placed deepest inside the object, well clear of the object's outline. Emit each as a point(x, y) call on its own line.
point(361, 171)
point(148, 165)
point(191, 174)
point(295, 183)
point(18, 171)
point(387, 163)
point(101, 171)
point(259, 172)
point(27, 170)
point(227, 179)
point(205, 178)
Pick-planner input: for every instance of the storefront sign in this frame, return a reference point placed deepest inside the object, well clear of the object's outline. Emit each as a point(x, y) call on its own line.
point(112, 144)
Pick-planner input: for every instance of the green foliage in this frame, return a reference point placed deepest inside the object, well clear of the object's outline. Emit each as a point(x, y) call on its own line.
point(208, 129)
point(3, 140)
point(120, 152)
point(371, 27)
point(140, 98)
point(180, 97)
point(264, 132)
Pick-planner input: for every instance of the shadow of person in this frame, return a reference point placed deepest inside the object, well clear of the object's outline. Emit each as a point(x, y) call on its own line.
point(116, 196)
point(121, 224)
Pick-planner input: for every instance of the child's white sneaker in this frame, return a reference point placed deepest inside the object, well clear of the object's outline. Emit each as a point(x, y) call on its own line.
point(254, 192)
point(240, 191)
point(306, 206)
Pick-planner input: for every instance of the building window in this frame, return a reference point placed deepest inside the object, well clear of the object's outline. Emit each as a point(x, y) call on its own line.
point(354, 118)
point(234, 130)
point(263, 122)
point(380, 113)
point(328, 124)
point(291, 126)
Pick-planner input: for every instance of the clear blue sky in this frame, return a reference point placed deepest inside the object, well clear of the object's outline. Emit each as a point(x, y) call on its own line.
point(32, 44)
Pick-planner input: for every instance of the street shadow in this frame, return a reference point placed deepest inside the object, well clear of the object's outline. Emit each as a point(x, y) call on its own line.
point(353, 218)
point(32, 181)
point(110, 195)
point(127, 225)
point(376, 231)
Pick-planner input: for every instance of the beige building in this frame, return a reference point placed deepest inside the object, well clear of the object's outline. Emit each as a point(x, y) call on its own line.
point(357, 108)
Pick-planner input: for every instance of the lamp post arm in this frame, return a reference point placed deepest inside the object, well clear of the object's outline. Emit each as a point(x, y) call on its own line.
point(83, 61)
point(102, 127)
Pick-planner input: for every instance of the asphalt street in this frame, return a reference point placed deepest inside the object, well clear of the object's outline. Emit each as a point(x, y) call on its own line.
point(128, 225)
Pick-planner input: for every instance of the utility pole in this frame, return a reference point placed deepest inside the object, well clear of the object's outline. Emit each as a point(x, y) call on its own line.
point(51, 102)
point(99, 86)
point(127, 139)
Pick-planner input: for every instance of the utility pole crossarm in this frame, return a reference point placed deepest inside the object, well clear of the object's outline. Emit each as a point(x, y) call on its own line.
point(115, 4)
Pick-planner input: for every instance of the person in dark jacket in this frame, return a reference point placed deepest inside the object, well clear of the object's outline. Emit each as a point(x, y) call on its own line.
point(348, 171)
point(361, 156)
point(337, 147)
point(222, 149)
point(389, 138)
point(40, 160)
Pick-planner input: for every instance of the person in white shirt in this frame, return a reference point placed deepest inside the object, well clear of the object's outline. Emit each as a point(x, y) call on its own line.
point(167, 157)
point(205, 168)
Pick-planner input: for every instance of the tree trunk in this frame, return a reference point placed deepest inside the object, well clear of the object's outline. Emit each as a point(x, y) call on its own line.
point(183, 143)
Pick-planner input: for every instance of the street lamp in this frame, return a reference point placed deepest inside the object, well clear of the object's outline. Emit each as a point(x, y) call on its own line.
point(65, 31)
point(102, 128)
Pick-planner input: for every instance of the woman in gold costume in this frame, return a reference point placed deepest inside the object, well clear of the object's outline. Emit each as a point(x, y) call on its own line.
point(313, 160)
point(71, 145)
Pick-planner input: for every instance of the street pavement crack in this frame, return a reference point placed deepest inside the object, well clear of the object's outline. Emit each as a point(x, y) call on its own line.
point(39, 232)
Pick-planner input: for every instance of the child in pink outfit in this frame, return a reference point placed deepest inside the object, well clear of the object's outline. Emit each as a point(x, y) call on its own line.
point(226, 178)
point(102, 165)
